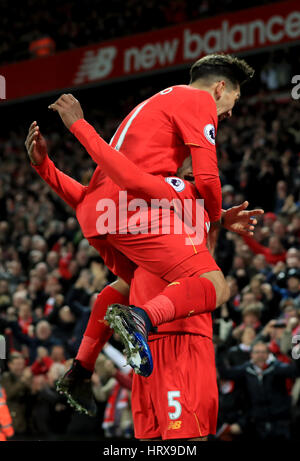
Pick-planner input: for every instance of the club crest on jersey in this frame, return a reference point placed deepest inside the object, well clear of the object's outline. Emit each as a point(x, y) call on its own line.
point(176, 183)
point(209, 133)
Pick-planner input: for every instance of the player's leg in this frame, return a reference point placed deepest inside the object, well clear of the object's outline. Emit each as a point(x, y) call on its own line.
point(182, 388)
point(201, 290)
point(188, 296)
point(97, 332)
point(146, 427)
point(76, 383)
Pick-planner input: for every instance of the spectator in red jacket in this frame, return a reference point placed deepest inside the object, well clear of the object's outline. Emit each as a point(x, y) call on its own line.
point(273, 253)
point(42, 363)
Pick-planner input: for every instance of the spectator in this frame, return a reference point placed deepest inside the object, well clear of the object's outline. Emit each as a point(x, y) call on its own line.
point(250, 318)
point(5, 297)
point(231, 405)
point(58, 354)
point(42, 337)
point(50, 413)
point(263, 379)
point(16, 383)
point(273, 253)
point(42, 363)
point(108, 384)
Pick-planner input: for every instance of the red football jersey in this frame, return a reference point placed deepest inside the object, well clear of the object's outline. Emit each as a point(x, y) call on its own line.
point(156, 134)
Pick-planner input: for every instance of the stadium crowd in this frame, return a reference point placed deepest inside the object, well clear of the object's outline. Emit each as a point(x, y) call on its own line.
point(68, 25)
point(49, 277)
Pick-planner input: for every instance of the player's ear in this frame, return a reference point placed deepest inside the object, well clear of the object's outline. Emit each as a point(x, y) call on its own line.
point(219, 89)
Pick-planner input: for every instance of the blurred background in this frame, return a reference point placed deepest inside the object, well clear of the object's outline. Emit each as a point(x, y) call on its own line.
point(111, 56)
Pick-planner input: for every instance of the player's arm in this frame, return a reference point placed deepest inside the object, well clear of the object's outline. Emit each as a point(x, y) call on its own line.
point(207, 181)
point(195, 121)
point(117, 166)
point(113, 163)
point(66, 187)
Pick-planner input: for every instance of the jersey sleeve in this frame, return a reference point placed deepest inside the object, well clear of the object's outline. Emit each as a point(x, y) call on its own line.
point(126, 174)
point(196, 121)
point(70, 190)
point(208, 182)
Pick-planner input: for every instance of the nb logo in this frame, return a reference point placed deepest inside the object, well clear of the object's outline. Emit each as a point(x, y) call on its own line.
point(174, 425)
point(2, 348)
point(95, 66)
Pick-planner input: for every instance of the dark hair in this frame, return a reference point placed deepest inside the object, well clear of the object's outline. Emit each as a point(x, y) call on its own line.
point(15, 355)
point(259, 341)
point(236, 70)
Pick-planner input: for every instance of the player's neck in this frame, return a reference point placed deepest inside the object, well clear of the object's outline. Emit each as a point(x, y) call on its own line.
point(202, 87)
point(211, 90)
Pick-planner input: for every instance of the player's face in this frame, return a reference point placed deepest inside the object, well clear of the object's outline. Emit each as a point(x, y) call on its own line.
point(186, 170)
point(227, 97)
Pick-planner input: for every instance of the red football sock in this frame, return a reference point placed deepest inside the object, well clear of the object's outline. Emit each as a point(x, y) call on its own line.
point(98, 332)
point(183, 298)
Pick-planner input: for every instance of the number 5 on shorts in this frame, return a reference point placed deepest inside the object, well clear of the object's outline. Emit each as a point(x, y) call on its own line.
point(174, 403)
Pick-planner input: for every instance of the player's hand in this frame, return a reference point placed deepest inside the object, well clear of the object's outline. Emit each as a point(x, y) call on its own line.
point(240, 221)
point(69, 109)
point(36, 145)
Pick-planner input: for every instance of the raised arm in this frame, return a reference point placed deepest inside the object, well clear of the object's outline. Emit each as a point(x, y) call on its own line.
point(114, 164)
point(256, 247)
point(66, 187)
point(118, 167)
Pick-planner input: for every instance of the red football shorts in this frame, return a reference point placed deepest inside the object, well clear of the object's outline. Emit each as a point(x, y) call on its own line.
point(180, 398)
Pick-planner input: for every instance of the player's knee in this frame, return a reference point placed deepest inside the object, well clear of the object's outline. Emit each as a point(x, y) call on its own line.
point(226, 294)
point(223, 291)
point(121, 286)
point(221, 286)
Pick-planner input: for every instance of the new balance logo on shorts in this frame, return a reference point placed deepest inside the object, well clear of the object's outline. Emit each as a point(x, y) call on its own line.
point(174, 425)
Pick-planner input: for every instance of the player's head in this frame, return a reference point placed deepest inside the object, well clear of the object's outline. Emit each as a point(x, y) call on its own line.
point(185, 171)
point(222, 75)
